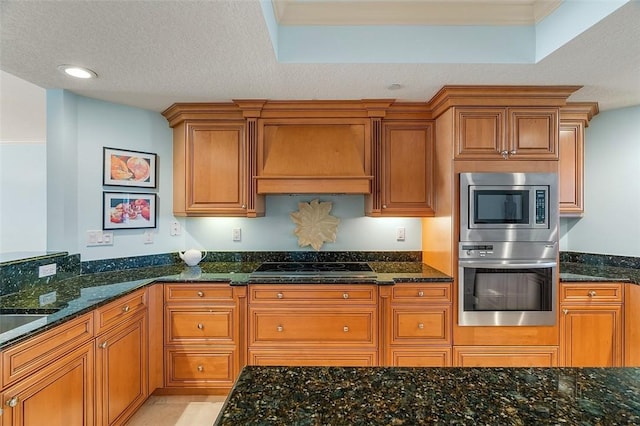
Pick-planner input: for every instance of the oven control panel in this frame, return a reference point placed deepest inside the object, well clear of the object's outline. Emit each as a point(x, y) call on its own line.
point(477, 250)
point(508, 250)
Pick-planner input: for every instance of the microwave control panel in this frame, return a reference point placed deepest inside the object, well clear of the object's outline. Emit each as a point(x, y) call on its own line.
point(541, 206)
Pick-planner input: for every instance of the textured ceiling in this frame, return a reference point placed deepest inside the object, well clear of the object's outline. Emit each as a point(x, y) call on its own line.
point(150, 54)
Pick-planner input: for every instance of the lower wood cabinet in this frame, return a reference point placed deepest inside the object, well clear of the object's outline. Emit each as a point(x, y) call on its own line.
point(59, 394)
point(417, 324)
point(591, 321)
point(203, 335)
point(631, 325)
point(313, 324)
point(505, 356)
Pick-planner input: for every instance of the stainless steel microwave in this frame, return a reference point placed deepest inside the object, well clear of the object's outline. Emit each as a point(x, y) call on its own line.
point(509, 207)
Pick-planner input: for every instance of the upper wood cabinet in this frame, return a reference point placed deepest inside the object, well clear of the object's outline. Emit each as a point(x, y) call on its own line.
point(406, 181)
point(574, 118)
point(518, 133)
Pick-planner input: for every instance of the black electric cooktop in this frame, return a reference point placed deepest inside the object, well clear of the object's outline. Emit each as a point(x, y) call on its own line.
point(310, 269)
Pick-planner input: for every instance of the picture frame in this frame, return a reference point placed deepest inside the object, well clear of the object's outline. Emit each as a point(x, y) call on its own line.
point(129, 210)
point(121, 167)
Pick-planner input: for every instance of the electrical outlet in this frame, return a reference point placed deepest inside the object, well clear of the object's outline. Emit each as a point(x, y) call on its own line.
point(148, 237)
point(47, 270)
point(47, 298)
point(236, 234)
point(174, 229)
point(400, 234)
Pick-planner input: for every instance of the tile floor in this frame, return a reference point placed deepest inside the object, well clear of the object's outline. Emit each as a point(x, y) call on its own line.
point(178, 410)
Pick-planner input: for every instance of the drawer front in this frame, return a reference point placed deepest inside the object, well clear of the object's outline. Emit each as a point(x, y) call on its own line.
point(425, 293)
point(188, 325)
point(505, 356)
point(591, 292)
point(317, 294)
point(200, 367)
point(198, 292)
point(299, 327)
point(437, 357)
point(425, 326)
point(121, 309)
point(25, 358)
point(316, 358)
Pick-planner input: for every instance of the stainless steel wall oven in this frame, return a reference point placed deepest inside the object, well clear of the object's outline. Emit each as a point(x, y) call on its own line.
point(507, 283)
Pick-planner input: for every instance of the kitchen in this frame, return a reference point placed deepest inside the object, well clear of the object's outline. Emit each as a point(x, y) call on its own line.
point(106, 123)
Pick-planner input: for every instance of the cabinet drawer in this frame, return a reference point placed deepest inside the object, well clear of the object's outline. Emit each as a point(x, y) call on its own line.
point(198, 292)
point(322, 358)
point(317, 294)
point(121, 309)
point(200, 367)
point(298, 327)
point(188, 325)
point(424, 326)
point(426, 293)
point(591, 292)
point(25, 358)
point(505, 356)
point(436, 357)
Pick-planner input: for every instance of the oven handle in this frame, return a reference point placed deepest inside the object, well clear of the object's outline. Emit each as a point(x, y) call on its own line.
point(509, 264)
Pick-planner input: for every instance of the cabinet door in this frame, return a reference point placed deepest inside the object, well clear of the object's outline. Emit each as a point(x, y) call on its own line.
point(533, 133)
point(480, 133)
point(407, 169)
point(121, 371)
point(61, 394)
point(591, 336)
point(215, 181)
point(571, 168)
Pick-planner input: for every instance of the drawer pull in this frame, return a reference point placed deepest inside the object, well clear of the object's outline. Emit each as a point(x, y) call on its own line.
point(279, 328)
point(200, 326)
point(345, 329)
point(13, 402)
point(200, 368)
point(421, 326)
point(592, 293)
point(345, 295)
point(420, 293)
point(279, 295)
point(103, 345)
point(565, 311)
point(125, 308)
point(200, 294)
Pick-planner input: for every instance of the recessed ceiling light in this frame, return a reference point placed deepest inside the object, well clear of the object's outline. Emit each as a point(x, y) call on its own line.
point(77, 72)
point(394, 86)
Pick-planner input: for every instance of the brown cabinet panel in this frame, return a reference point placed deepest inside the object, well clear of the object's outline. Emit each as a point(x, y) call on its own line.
point(480, 132)
point(427, 325)
point(119, 310)
point(591, 292)
point(198, 293)
point(631, 325)
point(425, 293)
point(60, 394)
point(505, 356)
point(408, 169)
point(315, 358)
point(201, 367)
point(571, 168)
point(317, 294)
point(421, 357)
point(533, 133)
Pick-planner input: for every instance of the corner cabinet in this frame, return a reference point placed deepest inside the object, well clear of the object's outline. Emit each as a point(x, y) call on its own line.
point(591, 320)
point(407, 187)
point(516, 133)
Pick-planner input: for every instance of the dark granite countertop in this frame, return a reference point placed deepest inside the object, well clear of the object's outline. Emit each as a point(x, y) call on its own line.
point(82, 293)
point(428, 396)
point(571, 271)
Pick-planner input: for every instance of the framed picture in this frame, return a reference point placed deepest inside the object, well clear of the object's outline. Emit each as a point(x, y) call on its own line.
point(124, 210)
point(128, 168)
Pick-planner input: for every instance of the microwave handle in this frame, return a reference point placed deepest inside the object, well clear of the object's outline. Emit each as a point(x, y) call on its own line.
point(506, 265)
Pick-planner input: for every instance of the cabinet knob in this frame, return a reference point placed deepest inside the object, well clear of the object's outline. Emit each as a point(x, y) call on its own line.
point(200, 326)
point(279, 328)
point(421, 326)
point(244, 206)
point(565, 311)
point(345, 329)
point(125, 308)
point(279, 295)
point(420, 293)
point(345, 295)
point(384, 206)
point(200, 368)
point(13, 402)
point(513, 152)
point(103, 345)
point(592, 293)
point(505, 154)
point(200, 294)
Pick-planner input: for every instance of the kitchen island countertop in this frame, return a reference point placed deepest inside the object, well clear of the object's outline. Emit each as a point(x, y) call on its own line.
point(427, 396)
